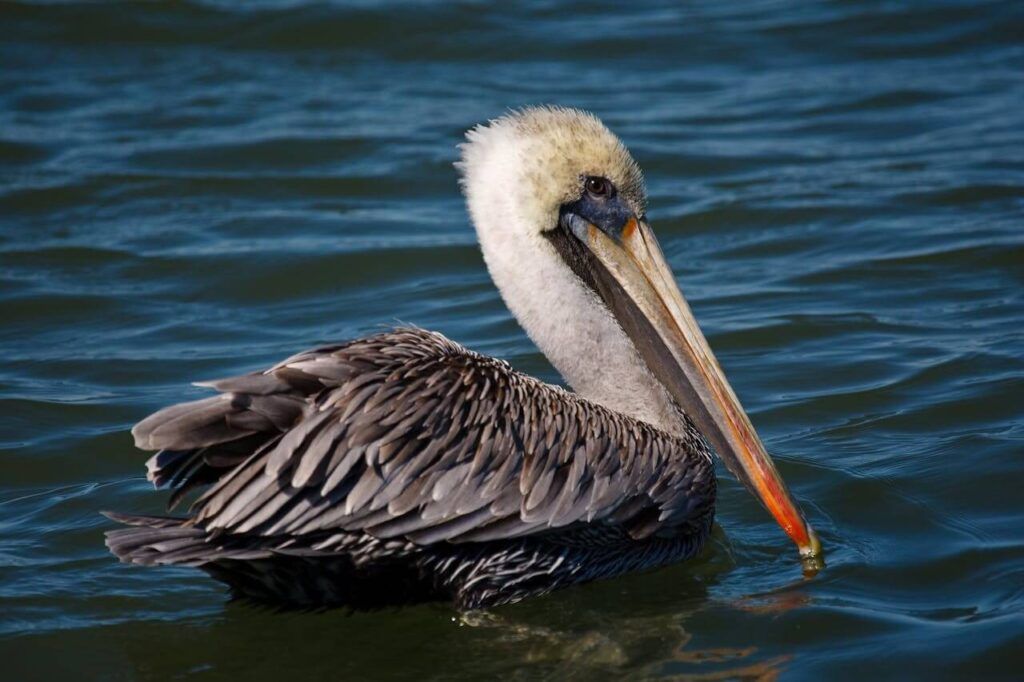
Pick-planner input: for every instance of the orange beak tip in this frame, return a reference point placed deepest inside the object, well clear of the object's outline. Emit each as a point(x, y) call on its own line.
point(812, 558)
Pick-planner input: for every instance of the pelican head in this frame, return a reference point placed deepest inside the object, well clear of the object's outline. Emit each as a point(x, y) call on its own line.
point(560, 210)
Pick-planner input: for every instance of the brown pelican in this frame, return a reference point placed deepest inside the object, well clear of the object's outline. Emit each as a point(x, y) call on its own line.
point(422, 470)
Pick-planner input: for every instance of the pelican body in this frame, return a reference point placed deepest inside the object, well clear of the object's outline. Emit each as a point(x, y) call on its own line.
point(403, 467)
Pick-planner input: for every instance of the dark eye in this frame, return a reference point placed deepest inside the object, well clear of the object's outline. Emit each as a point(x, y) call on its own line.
point(599, 187)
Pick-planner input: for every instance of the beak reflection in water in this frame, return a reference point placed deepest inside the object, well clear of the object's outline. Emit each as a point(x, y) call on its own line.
point(629, 272)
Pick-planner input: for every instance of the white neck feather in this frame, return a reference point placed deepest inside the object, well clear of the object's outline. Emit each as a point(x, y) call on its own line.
point(567, 321)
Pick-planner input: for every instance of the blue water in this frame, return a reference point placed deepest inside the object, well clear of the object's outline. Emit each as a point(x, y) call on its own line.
point(193, 189)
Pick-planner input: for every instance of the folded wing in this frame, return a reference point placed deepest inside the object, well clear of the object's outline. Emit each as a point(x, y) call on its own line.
point(408, 436)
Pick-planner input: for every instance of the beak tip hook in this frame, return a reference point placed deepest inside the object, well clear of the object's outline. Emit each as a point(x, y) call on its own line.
point(812, 558)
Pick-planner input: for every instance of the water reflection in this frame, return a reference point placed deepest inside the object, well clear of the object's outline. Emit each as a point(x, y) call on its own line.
point(636, 626)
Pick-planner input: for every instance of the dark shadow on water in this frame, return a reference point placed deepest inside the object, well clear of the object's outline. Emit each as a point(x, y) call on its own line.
point(304, 612)
point(280, 625)
point(295, 583)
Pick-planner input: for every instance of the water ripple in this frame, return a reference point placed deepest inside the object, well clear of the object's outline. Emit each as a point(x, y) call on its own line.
point(192, 189)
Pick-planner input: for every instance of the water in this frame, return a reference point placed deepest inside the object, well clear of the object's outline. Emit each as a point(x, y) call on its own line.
point(195, 189)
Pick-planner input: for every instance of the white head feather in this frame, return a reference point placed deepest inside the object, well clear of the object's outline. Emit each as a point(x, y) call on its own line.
point(517, 171)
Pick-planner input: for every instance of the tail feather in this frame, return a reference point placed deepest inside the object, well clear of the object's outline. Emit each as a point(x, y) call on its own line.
point(188, 425)
point(144, 520)
point(187, 470)
point(166, 540)
point(200, 441)
point(218, 419)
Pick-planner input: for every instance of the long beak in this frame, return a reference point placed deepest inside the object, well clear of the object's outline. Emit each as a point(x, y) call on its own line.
point(656, 316)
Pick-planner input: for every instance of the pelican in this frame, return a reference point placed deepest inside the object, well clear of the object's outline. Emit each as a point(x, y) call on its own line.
point(415, 467)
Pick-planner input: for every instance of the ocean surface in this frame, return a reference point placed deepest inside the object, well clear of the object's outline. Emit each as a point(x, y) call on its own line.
point(194, 189)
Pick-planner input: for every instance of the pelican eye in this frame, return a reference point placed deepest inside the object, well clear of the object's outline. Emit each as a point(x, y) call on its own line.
point(600, 188)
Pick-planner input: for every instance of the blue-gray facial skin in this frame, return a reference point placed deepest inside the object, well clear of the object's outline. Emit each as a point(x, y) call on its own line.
point(601, 205)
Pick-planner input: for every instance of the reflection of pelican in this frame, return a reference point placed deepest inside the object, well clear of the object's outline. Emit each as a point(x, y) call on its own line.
point(428, 471)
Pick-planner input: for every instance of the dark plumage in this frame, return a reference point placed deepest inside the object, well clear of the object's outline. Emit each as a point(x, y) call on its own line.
point(402, 467)
point(411, 465)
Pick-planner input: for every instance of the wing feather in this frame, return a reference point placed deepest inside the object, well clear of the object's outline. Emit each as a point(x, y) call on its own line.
point(407, 435)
